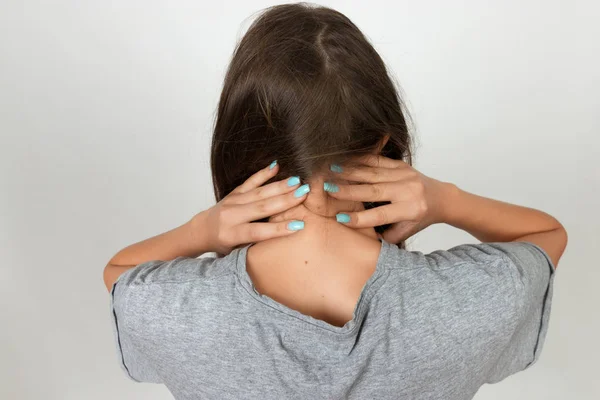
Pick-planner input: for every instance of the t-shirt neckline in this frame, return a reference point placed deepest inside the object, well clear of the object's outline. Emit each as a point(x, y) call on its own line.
point(369, 289)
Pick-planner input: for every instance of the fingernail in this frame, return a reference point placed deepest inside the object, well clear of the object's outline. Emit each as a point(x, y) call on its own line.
point(330, 187)
point(302, 190)
point(294, 180)
point(273, 164)
point(335, 168)
point(343, 218)
point(296, 225)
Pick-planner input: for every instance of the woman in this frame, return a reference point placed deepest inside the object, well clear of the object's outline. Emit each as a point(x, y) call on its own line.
point(312, 293)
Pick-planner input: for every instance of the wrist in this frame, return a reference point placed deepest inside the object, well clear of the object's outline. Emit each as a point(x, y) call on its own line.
point(448, 197)
point(199, 234)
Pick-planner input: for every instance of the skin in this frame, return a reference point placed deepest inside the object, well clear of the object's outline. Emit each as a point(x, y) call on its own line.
point(226, 225)
point(321, 269)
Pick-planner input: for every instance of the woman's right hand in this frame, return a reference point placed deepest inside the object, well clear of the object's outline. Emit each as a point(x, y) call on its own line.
point(416, 200)
point(230, 224)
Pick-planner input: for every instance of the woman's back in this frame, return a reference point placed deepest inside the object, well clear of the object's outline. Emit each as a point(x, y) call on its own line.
point(435, 325)
point(318, 274)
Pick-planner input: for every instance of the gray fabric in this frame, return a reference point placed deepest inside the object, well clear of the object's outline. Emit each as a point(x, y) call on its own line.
point(426, 326)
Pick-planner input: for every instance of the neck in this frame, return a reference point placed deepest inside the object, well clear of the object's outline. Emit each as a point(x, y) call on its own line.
point(315, 253)
point(318, 212)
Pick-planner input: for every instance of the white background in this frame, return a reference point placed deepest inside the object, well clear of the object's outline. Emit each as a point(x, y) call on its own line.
point(106, 109)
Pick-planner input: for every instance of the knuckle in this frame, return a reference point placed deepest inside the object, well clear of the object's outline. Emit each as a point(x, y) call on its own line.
point(262, 206)
point(254, 234)
point(228, 199)
point(260, 191)
point(381, 215)
point(349, 193)
point(398, 163)
point(278, 217)
point(411, 173)
point(424, 208)
point(372, 175)
point(376, 191)
point(281, 228)
point(226, 212)
point(355, 219)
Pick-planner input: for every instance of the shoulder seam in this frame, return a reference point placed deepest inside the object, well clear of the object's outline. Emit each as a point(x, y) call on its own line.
point(396, 267)
point(131, 283)
point(212, 278)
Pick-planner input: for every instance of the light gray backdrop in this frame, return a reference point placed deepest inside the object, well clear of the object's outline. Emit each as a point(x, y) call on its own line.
point(106, 110)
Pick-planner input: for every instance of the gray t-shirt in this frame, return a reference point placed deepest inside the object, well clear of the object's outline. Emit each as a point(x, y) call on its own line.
point(426, 326)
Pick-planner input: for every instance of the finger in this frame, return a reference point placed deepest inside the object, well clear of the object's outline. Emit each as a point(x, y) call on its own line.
point(368, 174)
point(296, 212)
point(375, 160)
point(387, 214)
point(400, 231)
point(365, 192)
point(270, 206)
point(272, 189)
point(258, 178)
point(258, 231)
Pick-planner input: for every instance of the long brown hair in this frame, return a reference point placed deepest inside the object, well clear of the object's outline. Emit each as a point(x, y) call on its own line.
point(306, 88)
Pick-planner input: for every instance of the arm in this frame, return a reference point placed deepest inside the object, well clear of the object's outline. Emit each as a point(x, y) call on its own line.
point(220, 228)
point(495, 221)
point(186, 240)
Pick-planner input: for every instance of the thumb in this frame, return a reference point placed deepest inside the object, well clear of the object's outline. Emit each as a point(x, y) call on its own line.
point(399, 231)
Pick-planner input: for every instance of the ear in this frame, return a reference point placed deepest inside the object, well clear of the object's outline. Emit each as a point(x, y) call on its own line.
point(382, 143)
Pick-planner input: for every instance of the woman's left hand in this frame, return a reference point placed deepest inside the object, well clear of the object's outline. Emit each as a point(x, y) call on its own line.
point(228, 225)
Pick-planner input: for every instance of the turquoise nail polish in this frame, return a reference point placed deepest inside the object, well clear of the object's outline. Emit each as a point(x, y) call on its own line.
point(302, 190)
point(294, 180)
point(273, 164)
point(296, 225)
point(330, 187)
point(343, 218)
point(335, 168)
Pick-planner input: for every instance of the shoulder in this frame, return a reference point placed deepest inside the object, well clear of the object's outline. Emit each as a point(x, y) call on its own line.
point(520, 271)
point(527, 264)
point(178, 270)
point(490, 252)
point(163, 288)
point(515, 254)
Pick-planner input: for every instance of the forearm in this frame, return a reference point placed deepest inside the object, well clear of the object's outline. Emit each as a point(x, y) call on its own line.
point(186, 240)
point(492, 220)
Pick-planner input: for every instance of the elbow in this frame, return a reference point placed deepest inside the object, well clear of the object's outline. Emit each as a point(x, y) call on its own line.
point(106, 277)
point(561, 239)
point(112, 273)
point(564, 237)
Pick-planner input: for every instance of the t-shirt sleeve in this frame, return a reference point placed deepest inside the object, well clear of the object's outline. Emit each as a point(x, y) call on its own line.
point(534, 276)
point(532, 272)
point(132, 359)
point(138, 299)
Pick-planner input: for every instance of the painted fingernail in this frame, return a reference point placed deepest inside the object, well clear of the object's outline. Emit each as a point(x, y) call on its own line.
point(295, 225)
point(294, 180)
point(335, 168)
point(330, 187)
point(343, 218)
point(273, 164)
point(302, 190)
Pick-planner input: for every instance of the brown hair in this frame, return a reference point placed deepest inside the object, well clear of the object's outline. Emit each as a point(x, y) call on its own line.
point(306, 88)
